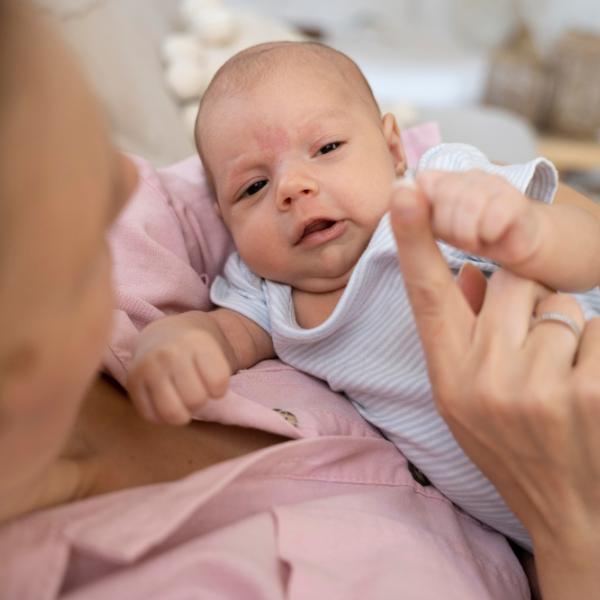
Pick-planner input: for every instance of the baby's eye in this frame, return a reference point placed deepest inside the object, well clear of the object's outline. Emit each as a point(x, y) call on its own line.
point(254, 188)
point(327, 148)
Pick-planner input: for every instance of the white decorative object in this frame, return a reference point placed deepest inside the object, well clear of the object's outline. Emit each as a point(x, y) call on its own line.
point(217, 26)
point(187, 79)
point(182, 46)
point(211, 34)
point(190, 8)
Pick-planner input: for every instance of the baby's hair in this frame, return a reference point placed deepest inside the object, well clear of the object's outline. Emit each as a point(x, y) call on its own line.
point(255, 64)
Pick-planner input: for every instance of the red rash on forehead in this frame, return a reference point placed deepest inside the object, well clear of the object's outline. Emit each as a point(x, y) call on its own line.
point(272, 140)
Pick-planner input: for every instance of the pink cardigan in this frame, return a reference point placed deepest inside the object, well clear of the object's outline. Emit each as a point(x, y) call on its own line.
point(333, 513)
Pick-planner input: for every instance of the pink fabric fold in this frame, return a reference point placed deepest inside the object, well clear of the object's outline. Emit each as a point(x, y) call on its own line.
point(167, 246)
point(417, 140)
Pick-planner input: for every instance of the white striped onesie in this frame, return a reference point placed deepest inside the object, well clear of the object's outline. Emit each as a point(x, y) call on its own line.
point(369, 348)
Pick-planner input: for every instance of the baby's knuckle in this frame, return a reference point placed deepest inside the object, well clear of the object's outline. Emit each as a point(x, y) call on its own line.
point(198, 337)
point(165, 356)
point(195, 402)
point(172, 415)
point(219, 384)
point(138, 375)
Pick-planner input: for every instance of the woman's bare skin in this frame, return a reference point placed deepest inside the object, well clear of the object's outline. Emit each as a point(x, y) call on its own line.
point(116, 449)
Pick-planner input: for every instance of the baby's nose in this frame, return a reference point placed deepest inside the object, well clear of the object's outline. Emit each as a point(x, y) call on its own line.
point(295, 188)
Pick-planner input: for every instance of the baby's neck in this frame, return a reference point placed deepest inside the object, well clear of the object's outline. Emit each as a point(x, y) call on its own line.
point(312, 308)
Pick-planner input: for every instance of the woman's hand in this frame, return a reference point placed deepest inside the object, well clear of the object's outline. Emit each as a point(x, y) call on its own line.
point(523, 401)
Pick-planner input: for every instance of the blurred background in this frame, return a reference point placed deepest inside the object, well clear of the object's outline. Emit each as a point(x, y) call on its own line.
point(515, 77)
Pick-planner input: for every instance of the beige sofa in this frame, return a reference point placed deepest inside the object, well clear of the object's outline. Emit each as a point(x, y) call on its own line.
point(118, 43)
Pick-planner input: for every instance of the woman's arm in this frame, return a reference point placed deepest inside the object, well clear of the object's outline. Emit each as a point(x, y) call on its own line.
point(523, 401)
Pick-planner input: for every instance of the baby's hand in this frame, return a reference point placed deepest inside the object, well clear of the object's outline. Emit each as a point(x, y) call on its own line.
point(483, 214)
point(174, 372)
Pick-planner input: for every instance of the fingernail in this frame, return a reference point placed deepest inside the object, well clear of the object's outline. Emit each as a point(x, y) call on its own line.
point(408, 181)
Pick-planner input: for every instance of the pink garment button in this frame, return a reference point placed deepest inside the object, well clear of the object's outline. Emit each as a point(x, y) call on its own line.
point(290, 417)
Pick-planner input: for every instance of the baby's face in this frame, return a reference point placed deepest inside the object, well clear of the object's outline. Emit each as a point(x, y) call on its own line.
point(303, 173)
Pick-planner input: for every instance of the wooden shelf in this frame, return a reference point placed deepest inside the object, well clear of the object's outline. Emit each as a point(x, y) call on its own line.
point(570, 154)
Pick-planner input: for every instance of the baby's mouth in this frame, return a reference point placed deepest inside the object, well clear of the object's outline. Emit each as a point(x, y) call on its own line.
point(317, 225)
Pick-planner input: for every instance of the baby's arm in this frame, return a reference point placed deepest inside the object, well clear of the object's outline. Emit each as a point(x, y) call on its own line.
point(558, 245)
point(182, 360)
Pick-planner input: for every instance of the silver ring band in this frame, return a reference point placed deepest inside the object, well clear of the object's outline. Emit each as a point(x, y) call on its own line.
point(558, 317)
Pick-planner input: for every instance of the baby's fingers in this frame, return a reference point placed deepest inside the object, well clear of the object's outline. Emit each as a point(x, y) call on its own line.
point(151, 387)
point(189, 384)
point(505, 206)
point(457, 200)
point(214, 370)
point(165, 400)
point(140, 396)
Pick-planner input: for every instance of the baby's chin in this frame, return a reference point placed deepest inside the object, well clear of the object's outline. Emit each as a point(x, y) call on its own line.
point(318, 281)
point(323, 282)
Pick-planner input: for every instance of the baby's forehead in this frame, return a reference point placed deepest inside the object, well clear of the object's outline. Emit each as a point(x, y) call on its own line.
point(270, 65)
point(314, 64)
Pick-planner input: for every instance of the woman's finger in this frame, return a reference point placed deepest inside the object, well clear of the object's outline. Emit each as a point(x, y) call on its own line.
point(505, 316)
point(443, 317)
point(586, 382)
point(588, 354)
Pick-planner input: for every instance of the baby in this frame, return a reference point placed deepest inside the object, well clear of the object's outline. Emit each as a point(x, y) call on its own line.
point(303, 168)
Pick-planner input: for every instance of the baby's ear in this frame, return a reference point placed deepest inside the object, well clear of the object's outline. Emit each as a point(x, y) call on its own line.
point(391, 133)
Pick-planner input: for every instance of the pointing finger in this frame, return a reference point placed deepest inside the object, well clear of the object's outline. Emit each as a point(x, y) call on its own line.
point(443, 316)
